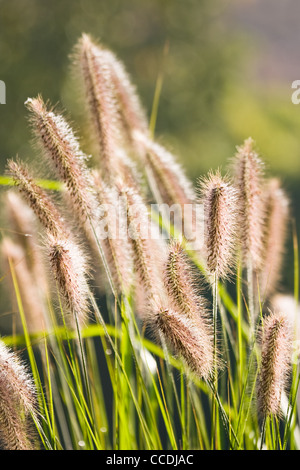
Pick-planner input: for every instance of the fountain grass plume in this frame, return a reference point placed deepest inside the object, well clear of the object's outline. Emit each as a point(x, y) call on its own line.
point(61, 147)
point(219, 199)
point(183, 336)
point(276, 226)
point(248, 173)
point(36, 198)
point(17, 403)
point(275, 363)
point(148, 248)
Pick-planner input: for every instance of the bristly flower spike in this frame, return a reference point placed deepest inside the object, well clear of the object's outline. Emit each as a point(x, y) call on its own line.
point(67, 260)
point(17, 403)
point(219, 199)
point(277, 216)
point(275, 363)
point(248, 174)
point(183, 336)
point(60, 145)
point(36, 198)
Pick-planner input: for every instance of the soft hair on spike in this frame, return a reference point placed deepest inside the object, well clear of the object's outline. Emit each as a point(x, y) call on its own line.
point(131, 112)
point(219, 198)
point(275, 362)
point(113, 236)
point(248, 176)
point(24, 225)
point(17, 403)
point(147, 247)
point(170, 186)
point(277, 214)
point(186, 340)
point(181, 283)
point(62, 148)
point(37, 199)
point(172, 183)
point(70, 271)
point(32, 300)
point(96, 71)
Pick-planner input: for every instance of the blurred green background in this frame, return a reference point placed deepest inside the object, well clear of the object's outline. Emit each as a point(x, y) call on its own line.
point(227, 74)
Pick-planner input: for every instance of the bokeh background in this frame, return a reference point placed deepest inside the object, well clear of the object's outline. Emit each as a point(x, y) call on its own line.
point(227, 75)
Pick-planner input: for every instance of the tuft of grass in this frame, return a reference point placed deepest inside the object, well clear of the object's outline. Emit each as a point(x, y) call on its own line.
point(142, 300)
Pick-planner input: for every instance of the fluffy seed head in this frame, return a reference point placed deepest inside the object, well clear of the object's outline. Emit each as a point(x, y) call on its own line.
point(32, 298)
point(172, 183)
point(95, 67)
point(61, 147)
point(17, 402)
point(70, 271)
point(275, 362)
point(277, 214)
point(112, 235)
point(181, 283)
point(248, 177)
point(147, 246)
point(37, 199)
point(186, 340)
point(219, 199)
point(23, 223)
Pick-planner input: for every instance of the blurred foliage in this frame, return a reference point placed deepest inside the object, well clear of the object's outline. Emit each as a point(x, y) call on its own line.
point(37, 38)
point(208, 103)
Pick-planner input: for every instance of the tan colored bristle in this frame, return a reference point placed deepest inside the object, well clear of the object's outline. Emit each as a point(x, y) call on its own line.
point(62, 149)
point(186, 340)
point(275, 363)
point(37, 198)
point(248, 174)
point(33, 301)
point(70, 271)
point(17, 403)
point(147, 246)
point(277, 216)
point(219, 199)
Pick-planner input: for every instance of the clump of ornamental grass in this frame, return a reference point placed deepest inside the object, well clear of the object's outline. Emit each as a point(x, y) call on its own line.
point(275, 364)
point(243, 224)
point(17, 403)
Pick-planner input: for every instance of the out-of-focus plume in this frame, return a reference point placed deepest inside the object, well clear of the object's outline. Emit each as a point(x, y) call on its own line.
point(148, 247)
point(248, 173)
point(67, 260)
point(113, 235)
point(38, 200)
point(277, 214)
point(17, 403)
point(32, 301)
